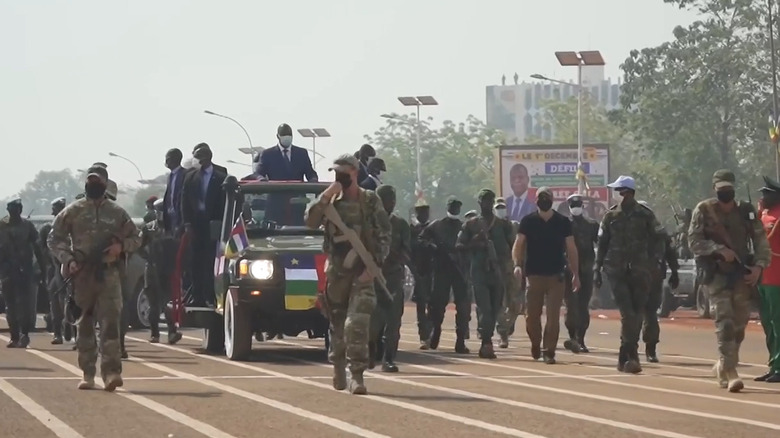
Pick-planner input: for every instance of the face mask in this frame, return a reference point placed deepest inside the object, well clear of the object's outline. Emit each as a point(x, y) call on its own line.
point(285, 141)
point(575, 211)
point(94, 190)
point(344, 179)
point(544, 204)
point(618, 197)
point(423, 217)
point(501, 213)
point(725, 196)
point(453, 215)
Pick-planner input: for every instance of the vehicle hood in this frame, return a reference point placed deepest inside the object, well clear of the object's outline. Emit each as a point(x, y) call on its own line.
point(285, 244)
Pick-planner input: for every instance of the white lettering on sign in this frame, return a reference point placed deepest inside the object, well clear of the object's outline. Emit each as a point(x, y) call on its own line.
point(563, 168)
point(563, 193)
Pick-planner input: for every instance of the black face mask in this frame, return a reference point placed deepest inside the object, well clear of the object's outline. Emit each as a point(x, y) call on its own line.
point(423, 217)
point(725, 196)
point(344, 179)
point(94, 190)
point(544, 204)
point(454, 210)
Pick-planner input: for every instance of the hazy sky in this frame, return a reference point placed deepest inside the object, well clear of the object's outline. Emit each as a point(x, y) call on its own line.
point(82, 78)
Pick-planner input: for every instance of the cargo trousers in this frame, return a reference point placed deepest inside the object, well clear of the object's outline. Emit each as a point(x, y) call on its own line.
point(350, 304)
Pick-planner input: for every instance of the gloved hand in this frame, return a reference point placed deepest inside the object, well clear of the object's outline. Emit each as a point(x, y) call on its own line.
point(597, 277)
point(674, 280)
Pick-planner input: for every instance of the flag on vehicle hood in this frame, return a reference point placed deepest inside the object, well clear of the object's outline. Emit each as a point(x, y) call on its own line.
point(238, 240)
point(304, 277)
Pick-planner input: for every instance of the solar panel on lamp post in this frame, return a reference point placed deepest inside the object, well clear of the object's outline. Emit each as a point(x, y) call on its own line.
point(417, 102)
point(313, 134)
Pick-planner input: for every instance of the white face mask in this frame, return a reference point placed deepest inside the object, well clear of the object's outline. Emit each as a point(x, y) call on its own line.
point(618, 197)
point(576, 211)
point(285, 141)
point(501, 213)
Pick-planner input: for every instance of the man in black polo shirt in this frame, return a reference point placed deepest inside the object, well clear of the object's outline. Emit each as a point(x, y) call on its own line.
point(543, 245)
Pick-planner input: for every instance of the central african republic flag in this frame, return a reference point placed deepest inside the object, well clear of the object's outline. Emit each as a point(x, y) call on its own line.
point(304, 276)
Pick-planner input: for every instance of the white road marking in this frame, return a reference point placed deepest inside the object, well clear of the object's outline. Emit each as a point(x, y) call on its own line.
point(276, 404)
point(40, 413)
point(408, 406)
point(152, 405)
point(508, 402)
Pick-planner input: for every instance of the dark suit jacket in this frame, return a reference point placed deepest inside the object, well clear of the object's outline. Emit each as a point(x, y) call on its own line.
point(369, 184)
point(173, 201)
point(271, 165)
point(191, 193)
point(525, 209)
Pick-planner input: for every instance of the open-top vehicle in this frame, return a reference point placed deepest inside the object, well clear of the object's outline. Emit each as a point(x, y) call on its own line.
point(272, 284)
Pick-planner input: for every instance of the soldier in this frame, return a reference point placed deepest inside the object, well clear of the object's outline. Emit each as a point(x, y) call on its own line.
point(86, 226)
point(681, 235)
point(18, 245)
point(489, 241)
point(151, 214)
point(585, 232)
point(769, 290)
point(720, 235)
point(158, 249)
point(421, 266)
point(626, 252)
point(350, 296)
point(441, 235)
point(514, 298)
point(664, 256)
point(388, 314)
point(54, 282)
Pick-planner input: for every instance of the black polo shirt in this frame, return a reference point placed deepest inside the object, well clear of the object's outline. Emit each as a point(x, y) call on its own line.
point(545, 243)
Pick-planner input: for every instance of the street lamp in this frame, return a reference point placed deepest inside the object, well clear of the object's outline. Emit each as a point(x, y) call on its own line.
point(314, 133)
point(579, 59)
point(212, 113)
point(416, 102)
point(240, 164)
point(111, 154)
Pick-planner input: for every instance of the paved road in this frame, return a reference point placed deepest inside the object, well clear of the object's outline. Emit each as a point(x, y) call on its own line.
point(284, 391)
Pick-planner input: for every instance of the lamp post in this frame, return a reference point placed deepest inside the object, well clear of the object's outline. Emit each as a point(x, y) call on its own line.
point(417, 102)
point(771, 25)
point(313, 134)
point(579, 59)
point(212, 113)
point(240, 164)
point(111, 154)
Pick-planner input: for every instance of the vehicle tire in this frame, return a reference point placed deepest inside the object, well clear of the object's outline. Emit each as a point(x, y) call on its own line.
point(138, 317)
point(214, 335)
point(668, 302)
point(702, 301)
point(238, 330)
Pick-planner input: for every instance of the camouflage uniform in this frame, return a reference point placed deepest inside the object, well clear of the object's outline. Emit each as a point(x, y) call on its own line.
point(387, 315)
point(349, 302)
point(54, 281)
point(585, 232)
point(626, 251)
point(79, 228)
point(728, 293)
point(514, 296)
point(421, 265)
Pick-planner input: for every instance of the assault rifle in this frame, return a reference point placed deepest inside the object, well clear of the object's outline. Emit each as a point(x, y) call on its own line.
point(90, 261)
point(719, 235)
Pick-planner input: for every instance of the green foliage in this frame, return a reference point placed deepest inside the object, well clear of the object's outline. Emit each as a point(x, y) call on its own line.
point(47, 186)
point(457, 159)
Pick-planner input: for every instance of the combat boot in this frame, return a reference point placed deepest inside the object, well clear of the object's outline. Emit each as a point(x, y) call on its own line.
point(339, 377)
point(572, 345)
point(389, 367)
point(87, 382)
point(435, 338)
point(112, 382)
point(486, 350)
point(583, 347)
point(504, 342)
point(57, 340)
point(622, 359)
point(174, 337)
point(651, 354)
point(774, 378)
point(67, 332)
point(735, 383)
point(717, 370)
point(425, 344)
point(356, 384)
point(24, 341)
point(460, 346)
point(632, 365)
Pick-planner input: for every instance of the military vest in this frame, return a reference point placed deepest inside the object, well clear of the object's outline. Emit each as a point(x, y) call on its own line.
point(356, 215)
point(736, 223)
point(632, 236)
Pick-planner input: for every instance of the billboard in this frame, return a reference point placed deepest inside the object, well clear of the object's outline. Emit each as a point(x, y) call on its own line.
point(523, 169)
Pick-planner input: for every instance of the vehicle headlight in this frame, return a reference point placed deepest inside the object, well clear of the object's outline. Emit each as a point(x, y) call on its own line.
point(258, 269)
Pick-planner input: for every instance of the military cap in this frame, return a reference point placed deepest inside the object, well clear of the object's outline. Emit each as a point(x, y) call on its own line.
point(623, 182)
point(576, 197)
point(385, 190)
point(421, 204)
point(345, 163)
point(723, 178)
point(111, 190)
point(61, 201)
point(152, 199)
point(14, 202)
point(97, 171)
point(770, 185)
point(485, 193)
point(544, 191)
point(453, 201)
point(470, 214)
point(501, 201)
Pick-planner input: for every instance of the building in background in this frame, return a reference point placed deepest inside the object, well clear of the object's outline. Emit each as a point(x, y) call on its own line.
point(516, 109)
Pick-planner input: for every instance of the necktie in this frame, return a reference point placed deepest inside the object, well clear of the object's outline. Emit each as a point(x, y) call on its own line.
point(516, 207)
point(286, 155)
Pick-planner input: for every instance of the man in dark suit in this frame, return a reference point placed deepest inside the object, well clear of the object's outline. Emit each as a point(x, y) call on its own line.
point(285, 161)
point(220, 169)
point(375, 167)
point(172, 220)
point(202, 201)
point(365, 153)
point(519, 204)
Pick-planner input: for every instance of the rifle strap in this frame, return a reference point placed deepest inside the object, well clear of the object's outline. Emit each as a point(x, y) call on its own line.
point(710, 211)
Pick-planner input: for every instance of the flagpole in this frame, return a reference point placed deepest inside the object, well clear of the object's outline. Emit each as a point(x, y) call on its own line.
point(774, 84)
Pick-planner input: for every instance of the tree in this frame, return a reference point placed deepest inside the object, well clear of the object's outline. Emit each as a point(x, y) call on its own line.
point(457, 159)
point(699, 102)
point(47, 186)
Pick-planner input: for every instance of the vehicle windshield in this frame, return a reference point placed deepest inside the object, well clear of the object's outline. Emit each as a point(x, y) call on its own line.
point(282, 208)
